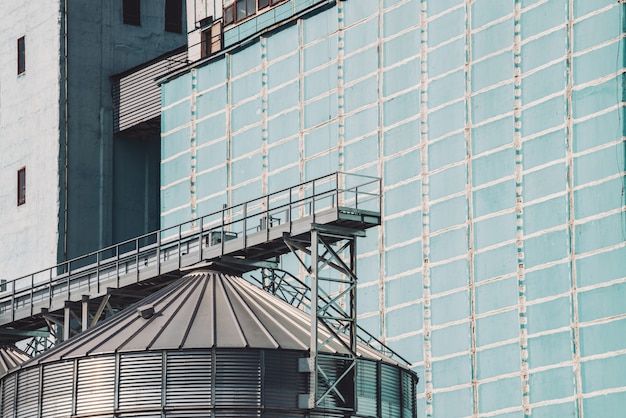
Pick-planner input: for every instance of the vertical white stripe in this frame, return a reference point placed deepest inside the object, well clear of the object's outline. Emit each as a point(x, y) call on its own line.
point(264, 107)
point(192, 145)
point(517, 141)
point(428, 378)
point(470, 201)
point(571, 210)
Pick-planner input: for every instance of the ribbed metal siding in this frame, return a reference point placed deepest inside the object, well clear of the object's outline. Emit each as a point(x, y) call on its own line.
point(333, 367)
point(137, 97)
point(367, 385)
point(282, 381)
point(8, 396)
point(238, 378)
point(409, 408)
point(188, 414)
point(246, 384)
point(140, 381)
point(58, 383)
point(188, 379)
point(237, 414)
point(96, 385)
point(28, 393)
point(390, 391)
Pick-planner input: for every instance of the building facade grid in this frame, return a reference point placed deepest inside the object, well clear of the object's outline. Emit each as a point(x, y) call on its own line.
point(497, 129)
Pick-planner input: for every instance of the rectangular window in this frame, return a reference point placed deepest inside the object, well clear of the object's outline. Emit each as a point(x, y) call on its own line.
point(241, 10)
point(21, 55)
point(131, 10)
point(206, 43)
point(251, 7)
point(174, 16)
point(211, 40)
point(21, 186)
point(229, 15)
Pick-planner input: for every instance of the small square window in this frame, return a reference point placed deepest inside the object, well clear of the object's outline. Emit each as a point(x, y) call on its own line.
point(21, 55)
point(262, 4)
point(21, 186)
point(131, 10)
point(174, 16)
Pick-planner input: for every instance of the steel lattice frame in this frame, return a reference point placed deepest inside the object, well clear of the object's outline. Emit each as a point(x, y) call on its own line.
point(336, 313)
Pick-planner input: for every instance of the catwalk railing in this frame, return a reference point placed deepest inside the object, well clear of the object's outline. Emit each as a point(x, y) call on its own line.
point(240, 230)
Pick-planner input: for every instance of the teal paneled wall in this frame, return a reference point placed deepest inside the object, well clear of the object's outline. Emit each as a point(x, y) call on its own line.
point(497, 128)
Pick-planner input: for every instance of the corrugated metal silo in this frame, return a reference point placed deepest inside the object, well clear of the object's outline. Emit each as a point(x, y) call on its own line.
point(209, 345)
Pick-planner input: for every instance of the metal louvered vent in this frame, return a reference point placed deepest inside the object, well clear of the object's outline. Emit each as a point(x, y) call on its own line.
point(96, 385)
point(367, 388)
point(409, 406)
point(28, 401)
point(188, 379)
point(8, 396)
point(136, 95)
point(140, 381)
point(238, 378)
point(177, 414)
point(57, 398)
point(283, 383)
point(333, 368)
point(390, 393)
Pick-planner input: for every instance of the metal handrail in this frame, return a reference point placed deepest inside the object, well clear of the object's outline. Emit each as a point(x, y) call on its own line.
point(296, 202)
point(301, 294)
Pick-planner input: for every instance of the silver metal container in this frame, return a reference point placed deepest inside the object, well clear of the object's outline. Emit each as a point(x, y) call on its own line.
point(209, 345)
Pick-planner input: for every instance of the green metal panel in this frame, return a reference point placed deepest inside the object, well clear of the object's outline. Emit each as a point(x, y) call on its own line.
point(502, 161)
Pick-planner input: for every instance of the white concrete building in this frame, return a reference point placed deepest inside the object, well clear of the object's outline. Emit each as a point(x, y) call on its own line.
point(56, 128)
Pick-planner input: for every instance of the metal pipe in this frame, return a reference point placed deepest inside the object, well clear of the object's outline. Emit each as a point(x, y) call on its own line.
point(66, 133)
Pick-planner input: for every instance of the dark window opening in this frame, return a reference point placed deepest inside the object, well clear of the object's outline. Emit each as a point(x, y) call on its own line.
point(21, 55)
point(174, 16)
point(241, 9)
point(21, 186)
point(229, 16)
point(132, 12)
point(206, 43)
point(211, 40)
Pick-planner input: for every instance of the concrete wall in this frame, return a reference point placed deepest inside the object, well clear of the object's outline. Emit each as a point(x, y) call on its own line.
point(29, 132)
point(498, 130)
point(136, 186)
point(100, 45)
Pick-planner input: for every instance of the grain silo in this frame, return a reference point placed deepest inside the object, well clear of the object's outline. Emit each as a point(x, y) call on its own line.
point(11, 357)
point(208, 345)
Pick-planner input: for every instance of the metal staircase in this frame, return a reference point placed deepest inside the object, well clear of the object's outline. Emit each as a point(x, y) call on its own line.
point(76, 294)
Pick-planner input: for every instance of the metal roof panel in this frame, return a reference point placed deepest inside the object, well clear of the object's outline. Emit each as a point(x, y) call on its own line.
point(204, 309)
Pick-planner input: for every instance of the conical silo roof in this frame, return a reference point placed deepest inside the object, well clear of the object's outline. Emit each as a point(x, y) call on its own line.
point(10, 358)
point(204, 309)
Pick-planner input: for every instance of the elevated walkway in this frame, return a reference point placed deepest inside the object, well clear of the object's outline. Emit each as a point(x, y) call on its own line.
point(248, 235)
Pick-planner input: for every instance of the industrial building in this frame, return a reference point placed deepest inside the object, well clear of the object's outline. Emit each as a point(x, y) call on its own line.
point(67, 185)
point(452, 169)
